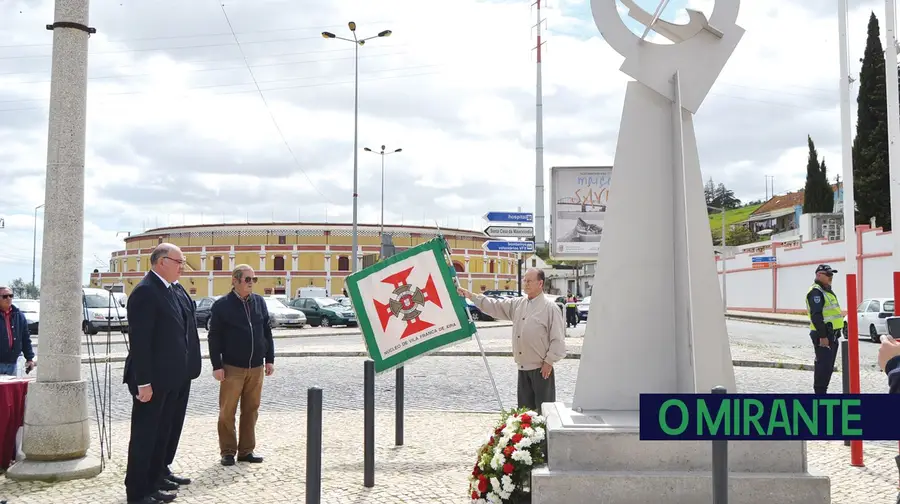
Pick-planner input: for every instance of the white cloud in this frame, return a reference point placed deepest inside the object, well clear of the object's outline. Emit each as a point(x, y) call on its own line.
point(178, 133)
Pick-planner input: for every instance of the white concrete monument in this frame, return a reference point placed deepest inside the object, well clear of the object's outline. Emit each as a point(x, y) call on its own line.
point(57, 436)
point(656, 322)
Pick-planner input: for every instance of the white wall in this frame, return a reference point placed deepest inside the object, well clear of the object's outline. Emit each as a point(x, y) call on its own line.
point(783, 289)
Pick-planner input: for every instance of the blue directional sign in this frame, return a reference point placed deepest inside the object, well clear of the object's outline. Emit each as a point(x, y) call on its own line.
point(763, 259)
point(509, 217)
point(508, 246)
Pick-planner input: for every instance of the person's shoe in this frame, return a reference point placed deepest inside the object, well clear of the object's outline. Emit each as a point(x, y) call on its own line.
point(146, 500)
point(178, 480)
point(166, 484)
point(227, 460)
point(162, 497)
point(250, 457)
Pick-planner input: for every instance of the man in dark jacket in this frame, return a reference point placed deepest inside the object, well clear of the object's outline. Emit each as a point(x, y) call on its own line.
point(15, 339)
point(889, 361)
point(241, 352)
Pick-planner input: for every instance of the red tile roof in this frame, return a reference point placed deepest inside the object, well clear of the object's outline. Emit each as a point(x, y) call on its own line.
point(782, 201)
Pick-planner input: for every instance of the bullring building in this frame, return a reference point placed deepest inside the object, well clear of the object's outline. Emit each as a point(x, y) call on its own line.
point(288, 257)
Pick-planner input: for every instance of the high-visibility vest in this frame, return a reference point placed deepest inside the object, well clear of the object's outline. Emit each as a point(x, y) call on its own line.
point(831, 311)
point(571, 303)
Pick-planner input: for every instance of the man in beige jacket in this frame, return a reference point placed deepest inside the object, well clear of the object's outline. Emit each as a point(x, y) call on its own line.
point(538, 337)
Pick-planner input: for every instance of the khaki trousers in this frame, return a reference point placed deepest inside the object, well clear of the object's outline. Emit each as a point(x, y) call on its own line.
point(242, 386)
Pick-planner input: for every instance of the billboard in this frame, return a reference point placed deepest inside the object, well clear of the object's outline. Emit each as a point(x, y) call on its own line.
point(578, 199)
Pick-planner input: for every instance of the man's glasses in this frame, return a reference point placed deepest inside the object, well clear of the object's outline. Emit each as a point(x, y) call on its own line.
point(179, 261)
point(251, 279)
point(6, 296)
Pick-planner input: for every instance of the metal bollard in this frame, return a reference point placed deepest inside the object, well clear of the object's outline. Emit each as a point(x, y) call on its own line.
point(369, 419)
point(313, 445)
point(398, 409)
point(845, 374)
point(720, 464)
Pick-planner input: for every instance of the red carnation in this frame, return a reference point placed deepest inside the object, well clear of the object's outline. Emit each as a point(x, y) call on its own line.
point(526, 419)
point(491, 442)
point(508, 468)
point(474, 495)
point(509, 450)
point(498, 430)
point(516, 438)
point(482, 477)
point(482, 486)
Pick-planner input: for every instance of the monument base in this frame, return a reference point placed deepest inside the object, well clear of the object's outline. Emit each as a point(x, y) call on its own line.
point(597, 457)
point(55, 470)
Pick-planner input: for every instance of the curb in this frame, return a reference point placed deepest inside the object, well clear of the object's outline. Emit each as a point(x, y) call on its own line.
point(100, 359)
point(749, 317)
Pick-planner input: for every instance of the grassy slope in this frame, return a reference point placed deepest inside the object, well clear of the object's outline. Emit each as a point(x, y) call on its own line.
point(731, 217)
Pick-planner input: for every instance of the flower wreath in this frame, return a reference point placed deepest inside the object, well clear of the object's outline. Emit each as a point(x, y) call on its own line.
point(502, 473)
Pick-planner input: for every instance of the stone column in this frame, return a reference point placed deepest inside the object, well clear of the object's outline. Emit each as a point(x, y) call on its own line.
point(203, 265)
point(287, 285)
point(231, 259)
point(262, 259)
point(209, 284)
point(57, 436)
point(295, 260)
point(328, 270)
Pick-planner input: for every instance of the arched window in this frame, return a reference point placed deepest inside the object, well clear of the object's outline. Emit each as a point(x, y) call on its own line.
point(343, 263)
point(217, 263)
point(458, 267)
point(279, 263)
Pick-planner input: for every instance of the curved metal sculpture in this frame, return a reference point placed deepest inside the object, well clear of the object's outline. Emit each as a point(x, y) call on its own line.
point(666, 259)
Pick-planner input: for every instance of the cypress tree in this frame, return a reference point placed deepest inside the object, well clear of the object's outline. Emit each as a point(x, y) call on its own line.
point(811, 192)
point(870, 147)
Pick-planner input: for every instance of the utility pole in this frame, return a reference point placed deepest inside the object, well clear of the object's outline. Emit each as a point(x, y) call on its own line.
point(56, 431)
point(539, 142)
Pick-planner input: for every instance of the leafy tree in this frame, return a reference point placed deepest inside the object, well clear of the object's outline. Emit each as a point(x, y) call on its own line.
point(740, 235)
point(21, 289)
point(817, 195)
point(870, 147)
point(724, 198)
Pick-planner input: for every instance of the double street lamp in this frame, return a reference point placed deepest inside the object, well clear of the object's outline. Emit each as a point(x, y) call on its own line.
point(357, 42)
point(382, 153)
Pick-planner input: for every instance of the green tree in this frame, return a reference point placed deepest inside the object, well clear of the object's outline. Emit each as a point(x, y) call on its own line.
point(22, 289)
point(870, 147)
point(817, 194)
point(739, 235)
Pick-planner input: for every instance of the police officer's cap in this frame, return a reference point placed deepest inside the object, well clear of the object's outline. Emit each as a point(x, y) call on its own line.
point(824, 268)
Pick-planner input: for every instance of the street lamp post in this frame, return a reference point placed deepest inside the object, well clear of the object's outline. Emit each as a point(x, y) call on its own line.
point(34, 247)
point(356, 43)
point(382, 153)
point(724, 264)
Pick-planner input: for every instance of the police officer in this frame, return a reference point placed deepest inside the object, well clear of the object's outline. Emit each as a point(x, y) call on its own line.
point(571, 311)
point(825, 324)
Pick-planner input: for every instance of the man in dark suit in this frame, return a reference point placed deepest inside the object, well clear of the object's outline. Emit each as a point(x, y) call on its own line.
point(168, 480)
point(156, 370)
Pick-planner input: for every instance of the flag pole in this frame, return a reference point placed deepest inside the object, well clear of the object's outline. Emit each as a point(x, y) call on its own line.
point(487, 366)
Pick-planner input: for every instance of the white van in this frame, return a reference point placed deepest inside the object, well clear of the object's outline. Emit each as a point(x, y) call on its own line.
point(103, 310)
point(311, 292)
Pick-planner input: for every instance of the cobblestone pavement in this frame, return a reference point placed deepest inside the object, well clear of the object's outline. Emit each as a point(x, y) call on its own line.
point(430, 468)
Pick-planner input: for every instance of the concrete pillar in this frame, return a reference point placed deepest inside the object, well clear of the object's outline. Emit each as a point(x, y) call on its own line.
point(231, 259)
point(209, 284)
point(203, 265)
point(295, 261)
point(328, 270)
point(287, 285)
point(468, 272)
point(57, 435)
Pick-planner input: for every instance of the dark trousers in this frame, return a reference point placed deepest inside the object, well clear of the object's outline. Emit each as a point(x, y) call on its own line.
point(151, 425)
point(824, 366)
point(180, 411)
point(571, 316)
point(533, 389)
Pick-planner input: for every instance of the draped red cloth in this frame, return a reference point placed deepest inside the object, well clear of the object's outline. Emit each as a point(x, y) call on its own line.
point(12, 416)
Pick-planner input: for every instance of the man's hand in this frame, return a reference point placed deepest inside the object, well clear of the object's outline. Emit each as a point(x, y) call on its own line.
point(219, 374)
point(823, 342)
point(464, 293)
point(145, 393)
point(888, 350)
point(270, 369)
point(546, 369)
point(29, 365)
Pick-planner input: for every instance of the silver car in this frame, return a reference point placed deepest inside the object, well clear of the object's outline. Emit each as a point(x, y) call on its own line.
point(282, 316)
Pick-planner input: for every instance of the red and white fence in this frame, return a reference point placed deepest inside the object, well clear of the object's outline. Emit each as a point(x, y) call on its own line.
point(782, 287)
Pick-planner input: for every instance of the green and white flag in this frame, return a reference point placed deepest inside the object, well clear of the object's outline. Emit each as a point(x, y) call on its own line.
point(407, 305)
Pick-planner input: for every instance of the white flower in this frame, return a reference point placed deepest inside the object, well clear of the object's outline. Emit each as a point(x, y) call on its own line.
point(538, 434)
point(493, 498)
point(538, 419)
point(508, 484)
point(479, 501)
point(498, 461)
point(495, 483)
point(529, 432)
point(524, 443)
point(523, 456)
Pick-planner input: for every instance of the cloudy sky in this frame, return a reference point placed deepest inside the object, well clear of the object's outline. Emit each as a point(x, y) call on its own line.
point(178, 133)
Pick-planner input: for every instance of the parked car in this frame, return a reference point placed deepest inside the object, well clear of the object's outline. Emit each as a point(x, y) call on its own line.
point(32, 310)
point(476, 312)
point(583, 307)
point(201, 314)
point(103, 312)
point(325, 312)
point(559, 300)
point(872, 315)
point(283, 316)
point(501, 293)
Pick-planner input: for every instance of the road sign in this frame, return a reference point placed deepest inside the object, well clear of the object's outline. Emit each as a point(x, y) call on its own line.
point(763, 262)
point(509, 217)
point(508, 246)
point(509, 231)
